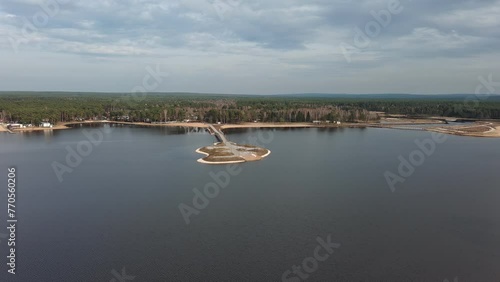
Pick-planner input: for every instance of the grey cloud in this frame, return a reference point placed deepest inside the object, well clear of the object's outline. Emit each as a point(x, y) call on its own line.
point(293, 37)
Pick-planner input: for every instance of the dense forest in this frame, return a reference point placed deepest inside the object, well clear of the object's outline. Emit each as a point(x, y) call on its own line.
point(34, 107)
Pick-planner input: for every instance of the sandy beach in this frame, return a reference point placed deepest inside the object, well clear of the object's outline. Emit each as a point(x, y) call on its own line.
point(30, 129)
point(172, 124)
point(67, 125)
point(2, 128)
point(271, 125)
point(478, 129)
point(201, 160)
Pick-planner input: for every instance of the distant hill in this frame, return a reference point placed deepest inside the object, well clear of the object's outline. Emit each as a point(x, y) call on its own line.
point(388, 96)
point(379, 96)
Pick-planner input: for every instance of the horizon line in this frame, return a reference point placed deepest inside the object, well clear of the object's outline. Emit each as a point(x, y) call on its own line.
point(242, 94)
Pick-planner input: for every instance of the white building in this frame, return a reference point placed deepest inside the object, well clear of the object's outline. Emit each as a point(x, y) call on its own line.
point(15, 125)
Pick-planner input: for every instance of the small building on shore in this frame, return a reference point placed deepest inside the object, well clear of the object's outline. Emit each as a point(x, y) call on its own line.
point(46, 125)
point(15, 126)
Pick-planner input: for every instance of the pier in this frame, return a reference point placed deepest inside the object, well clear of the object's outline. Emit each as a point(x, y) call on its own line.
point(226, 152)
point(218, 134)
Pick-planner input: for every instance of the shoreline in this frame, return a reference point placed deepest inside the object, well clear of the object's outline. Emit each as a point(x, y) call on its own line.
point(266, 154)
point(201, 160)
point(173, 124)
point(273, 125)
point(492, 130)
point(239, 158)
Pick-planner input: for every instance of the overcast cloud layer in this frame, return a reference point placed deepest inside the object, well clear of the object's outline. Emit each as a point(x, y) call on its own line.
point(252, 47)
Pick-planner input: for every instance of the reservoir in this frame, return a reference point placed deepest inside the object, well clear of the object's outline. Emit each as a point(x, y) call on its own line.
point(114, 211)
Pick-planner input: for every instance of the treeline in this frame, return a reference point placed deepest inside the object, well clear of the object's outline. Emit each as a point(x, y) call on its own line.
point(30, 108)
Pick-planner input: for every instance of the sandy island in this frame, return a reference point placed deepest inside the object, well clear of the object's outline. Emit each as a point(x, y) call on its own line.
point(231, 153)
point(226, 152)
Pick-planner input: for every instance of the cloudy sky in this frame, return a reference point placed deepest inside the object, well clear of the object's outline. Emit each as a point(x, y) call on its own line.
point(251, 47)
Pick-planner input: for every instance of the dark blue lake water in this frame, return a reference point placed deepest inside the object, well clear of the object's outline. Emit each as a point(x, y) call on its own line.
point(115, 214)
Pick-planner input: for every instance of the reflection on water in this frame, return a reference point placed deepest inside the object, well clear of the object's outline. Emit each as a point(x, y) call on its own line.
point(166, 130)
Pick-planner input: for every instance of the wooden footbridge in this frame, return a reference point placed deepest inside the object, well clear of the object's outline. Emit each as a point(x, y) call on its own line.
point(218, 134)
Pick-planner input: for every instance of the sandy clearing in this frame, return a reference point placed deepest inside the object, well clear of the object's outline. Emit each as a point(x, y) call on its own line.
point(479, 129)
point(268, 125)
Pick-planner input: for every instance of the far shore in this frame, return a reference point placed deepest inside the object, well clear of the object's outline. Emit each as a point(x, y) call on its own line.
point(476, 129)
point(170, 124)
